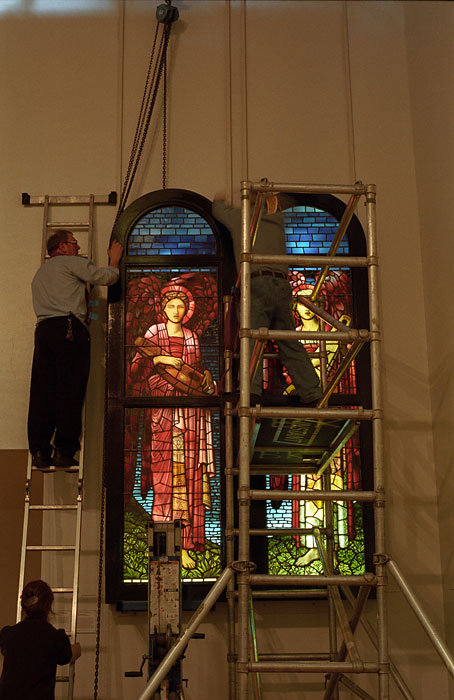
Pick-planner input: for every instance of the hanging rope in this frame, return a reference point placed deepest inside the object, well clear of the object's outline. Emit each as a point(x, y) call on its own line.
point(166, 16)
point(164, 128)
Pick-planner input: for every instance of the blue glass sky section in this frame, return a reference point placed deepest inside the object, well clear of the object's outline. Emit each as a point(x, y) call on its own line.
point(310, 231)
point(213, 516)
point(172, 231)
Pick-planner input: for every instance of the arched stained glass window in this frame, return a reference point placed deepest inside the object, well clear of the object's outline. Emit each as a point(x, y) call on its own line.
point(311, 223)
point(165, 415)
point(164, 420)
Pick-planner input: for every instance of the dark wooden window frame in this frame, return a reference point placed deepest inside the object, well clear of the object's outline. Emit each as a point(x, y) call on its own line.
point(134, 595)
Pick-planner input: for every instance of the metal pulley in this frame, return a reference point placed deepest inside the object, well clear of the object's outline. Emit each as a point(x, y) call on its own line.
point(167, 13)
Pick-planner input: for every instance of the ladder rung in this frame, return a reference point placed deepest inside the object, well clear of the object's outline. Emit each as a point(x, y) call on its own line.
point(62, 590)
point(68, 224)
point(69, 199)
point(52, 470)
point(51, 548)
point(53, 507)
point(62, 679)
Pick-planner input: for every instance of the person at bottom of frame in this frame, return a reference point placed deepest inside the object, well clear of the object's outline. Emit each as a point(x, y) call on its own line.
point(271, 295)
point(61, 359)
point(33, 648)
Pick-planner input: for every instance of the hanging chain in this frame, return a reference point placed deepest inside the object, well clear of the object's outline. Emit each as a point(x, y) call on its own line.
point(142, 112)
point(100, 576)
point(101, 529)
point(164, 122)
point(152, 83)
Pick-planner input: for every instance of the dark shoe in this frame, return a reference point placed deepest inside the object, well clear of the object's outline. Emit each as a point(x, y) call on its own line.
point(63, 461)
point(40, 460)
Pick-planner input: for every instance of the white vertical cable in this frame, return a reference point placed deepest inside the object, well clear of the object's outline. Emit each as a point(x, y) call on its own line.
point(244, 114)
point(348, 84)
point(121, 38)
point(228, 99)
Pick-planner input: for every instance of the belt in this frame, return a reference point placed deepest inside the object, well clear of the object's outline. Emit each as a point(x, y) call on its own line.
point(270, 273)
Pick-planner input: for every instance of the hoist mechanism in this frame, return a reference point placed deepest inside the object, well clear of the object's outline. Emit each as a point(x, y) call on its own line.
point(167, 13)
point(164, 605)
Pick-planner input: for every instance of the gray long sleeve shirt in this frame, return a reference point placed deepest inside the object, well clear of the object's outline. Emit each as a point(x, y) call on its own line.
point(58, 287)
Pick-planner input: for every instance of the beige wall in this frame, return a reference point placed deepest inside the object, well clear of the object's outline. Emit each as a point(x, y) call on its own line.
point(433, 136)
point(335, 91)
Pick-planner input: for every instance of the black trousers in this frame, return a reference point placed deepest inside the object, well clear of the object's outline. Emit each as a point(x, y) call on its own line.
point(61, 365)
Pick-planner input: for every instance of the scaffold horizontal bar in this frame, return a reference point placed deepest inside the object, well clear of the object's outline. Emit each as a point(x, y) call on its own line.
point(270, 531)
point(291, 594)
point(313, 667)
point(290, 187)
point(269, 494)
point(284, 469)
point(367, 579)
point(320, 413)
point(302, 449)
point(309, 260)
point(333, 336)
point(296, 656)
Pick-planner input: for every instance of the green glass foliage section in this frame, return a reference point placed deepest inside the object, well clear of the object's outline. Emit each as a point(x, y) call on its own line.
point(208, 563)
point(286, 557)
point(135, 544)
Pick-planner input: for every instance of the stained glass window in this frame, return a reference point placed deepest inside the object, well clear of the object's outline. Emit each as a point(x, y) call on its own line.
point(310, 230)
point(164, 418)
point(164, 445)
point(171, 453)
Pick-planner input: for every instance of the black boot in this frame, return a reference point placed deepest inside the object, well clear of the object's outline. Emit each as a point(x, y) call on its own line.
point(64, 461)
point(40, 460)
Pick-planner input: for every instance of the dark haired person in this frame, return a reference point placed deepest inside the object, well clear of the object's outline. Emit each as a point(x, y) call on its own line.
point(61, 360)
point(33, 648)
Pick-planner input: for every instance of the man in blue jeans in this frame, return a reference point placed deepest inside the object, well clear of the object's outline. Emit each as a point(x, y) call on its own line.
point(271, 295)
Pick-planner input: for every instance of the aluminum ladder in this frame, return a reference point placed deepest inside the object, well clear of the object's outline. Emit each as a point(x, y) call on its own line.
point(56, 510)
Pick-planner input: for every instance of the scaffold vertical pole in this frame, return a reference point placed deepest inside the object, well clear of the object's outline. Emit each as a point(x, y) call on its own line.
point(244, 480)
point(230, 516)
point(378, 451)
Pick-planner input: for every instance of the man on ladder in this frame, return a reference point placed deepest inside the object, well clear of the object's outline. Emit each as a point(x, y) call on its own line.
point(61, 359)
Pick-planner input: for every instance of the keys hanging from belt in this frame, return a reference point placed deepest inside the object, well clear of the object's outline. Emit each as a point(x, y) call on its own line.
point(69, 331)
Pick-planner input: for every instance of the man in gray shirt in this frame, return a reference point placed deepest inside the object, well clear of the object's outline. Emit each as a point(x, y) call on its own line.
point(61, 359)
point(271, 296)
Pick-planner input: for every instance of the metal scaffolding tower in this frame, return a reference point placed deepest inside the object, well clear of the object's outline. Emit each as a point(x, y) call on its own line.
point(347, 658)
point(328, 428)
